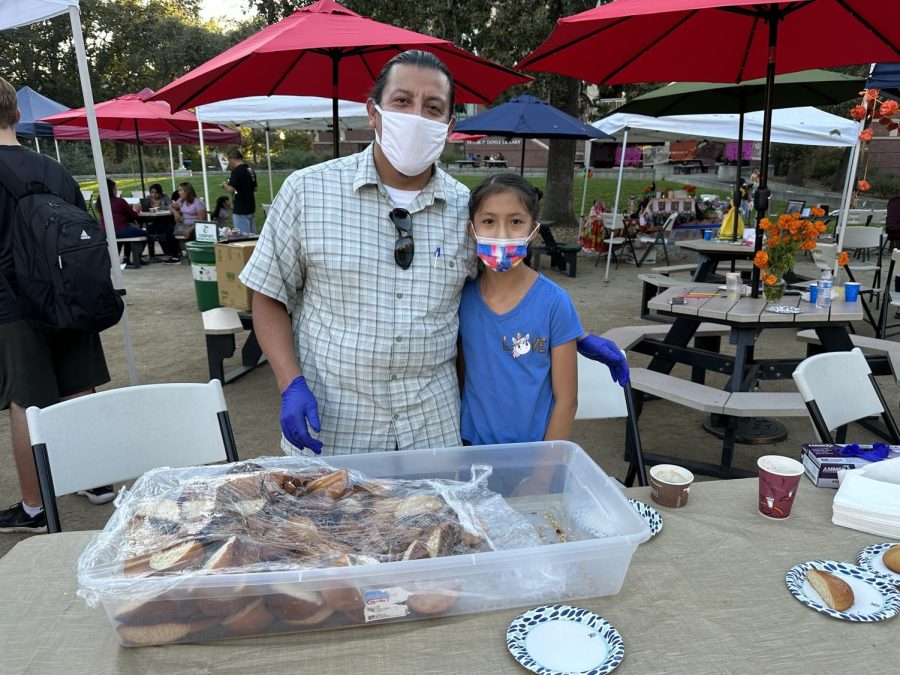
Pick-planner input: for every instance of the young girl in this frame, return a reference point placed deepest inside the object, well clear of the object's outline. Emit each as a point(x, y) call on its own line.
point(222, 212)
point(518, 329)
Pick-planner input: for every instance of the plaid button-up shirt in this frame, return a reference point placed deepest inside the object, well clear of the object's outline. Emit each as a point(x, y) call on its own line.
point(376, 343)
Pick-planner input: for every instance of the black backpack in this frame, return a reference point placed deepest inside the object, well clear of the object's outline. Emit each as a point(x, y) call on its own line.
point(61, 259)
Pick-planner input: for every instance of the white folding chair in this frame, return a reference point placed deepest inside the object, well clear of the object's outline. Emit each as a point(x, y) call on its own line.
point(600, 397)
point(825, 255)
point(864, 240)
point(839, 388)
point(661, 238)
point(82, 443)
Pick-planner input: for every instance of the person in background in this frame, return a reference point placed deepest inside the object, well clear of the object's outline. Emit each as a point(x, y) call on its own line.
point(242, 185)
point(37, 368)
point(124, 220)
point(188, 209)
point(222, 212)
point(158, 202)
point(892, 229)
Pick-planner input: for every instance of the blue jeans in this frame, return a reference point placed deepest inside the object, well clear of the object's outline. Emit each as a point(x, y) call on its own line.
point(244, 222)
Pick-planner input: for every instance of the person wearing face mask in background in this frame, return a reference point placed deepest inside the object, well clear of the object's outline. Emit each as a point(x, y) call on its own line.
point(357, 278)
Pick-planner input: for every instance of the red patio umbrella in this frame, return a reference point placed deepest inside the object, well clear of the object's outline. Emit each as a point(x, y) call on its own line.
point(718, 41)
point(327, 50)
point(133, 115)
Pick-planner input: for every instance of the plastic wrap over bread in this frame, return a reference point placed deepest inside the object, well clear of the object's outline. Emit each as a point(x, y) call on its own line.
point(283, 514)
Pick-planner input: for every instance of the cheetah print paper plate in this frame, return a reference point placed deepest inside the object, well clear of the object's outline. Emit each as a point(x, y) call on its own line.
point(875, 598)
point(557, 639)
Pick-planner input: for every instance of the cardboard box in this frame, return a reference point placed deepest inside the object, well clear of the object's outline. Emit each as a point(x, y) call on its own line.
point(822, 462)
point(230, 260)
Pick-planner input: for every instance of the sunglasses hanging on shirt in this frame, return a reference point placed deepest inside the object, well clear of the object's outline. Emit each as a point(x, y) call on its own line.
point(404, 246)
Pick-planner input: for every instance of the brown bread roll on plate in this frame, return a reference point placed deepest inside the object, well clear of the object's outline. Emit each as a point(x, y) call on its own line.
point(835, 592)
point(891, 558)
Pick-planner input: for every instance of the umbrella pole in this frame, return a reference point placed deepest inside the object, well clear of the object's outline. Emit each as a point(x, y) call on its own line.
point(335, 130)
point(137, 135)
point(203, 162)
point(587, 153)
point(841, 225)
point(522, 160)
point(736, 200)
point(56, 145)
point(763, 192)
point(609, 247)
point(172, 166)
point(37, 145)
point(269, 161)
point(105, 207)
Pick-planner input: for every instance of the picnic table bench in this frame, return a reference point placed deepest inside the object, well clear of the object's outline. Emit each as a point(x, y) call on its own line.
point(220, 325)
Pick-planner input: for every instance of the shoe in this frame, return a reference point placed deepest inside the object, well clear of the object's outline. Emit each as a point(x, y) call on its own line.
point(99, 495)
point(172, 261)
point(14, 519)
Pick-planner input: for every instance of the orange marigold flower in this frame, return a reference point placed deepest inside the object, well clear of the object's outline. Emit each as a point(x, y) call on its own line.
point(858, 113)
point(820, 227)
point(816, 212)
point(765, 223)
point(770, 279)
point(863, 186)
point(871, 94)
point(889, 108)
point(808, 245)
point(865, 135)
point(794, 228)
point(843, 258)
point(773, 240)
point(761, 259)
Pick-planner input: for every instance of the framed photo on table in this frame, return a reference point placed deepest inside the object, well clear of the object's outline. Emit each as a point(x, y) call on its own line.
point(795, 206)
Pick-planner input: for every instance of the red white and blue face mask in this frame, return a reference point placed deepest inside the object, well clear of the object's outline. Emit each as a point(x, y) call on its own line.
point(502, 255)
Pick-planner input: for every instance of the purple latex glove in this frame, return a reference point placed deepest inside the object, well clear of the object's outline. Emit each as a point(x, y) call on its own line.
point(606, 352)
point(299, 409)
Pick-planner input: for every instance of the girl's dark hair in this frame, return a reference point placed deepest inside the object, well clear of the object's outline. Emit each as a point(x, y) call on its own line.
point(157, 188)
point(190, 192)
point(420, 59)
point(220, 204)
point(110, 189)
point(506, 182)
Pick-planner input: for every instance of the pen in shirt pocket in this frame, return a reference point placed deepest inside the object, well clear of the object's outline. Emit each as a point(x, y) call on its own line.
point(436, 261)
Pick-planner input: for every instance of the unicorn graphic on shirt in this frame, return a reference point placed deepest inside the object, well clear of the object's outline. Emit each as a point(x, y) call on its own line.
point(521, 345)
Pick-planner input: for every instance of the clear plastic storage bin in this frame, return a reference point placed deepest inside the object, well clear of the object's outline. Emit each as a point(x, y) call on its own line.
point(587, 529)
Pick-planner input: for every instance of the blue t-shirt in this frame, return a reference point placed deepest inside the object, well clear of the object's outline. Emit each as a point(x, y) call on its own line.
point(508, 394)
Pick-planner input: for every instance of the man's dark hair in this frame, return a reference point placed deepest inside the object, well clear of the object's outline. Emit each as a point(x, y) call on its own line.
point(420, 59)
point(235, 153)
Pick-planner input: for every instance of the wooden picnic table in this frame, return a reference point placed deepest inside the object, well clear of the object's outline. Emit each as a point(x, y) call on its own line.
point(711, 253)
point(746, 318)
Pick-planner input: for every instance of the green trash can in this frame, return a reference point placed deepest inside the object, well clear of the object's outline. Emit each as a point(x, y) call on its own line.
point(203, 267)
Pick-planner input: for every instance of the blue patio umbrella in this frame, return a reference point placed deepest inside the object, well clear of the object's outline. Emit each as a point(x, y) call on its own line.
point(528, 117)
point(33, 106)
point(886, 76)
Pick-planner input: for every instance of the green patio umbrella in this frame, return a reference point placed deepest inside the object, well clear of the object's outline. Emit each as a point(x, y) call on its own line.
point(792, 90)
point(808, 87)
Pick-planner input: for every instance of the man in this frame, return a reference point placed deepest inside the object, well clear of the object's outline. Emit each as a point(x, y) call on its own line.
point(241, 184)
point(36, 368)
point(358, 275)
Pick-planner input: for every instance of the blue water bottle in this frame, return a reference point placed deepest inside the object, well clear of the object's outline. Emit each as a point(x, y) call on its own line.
point(823, 299)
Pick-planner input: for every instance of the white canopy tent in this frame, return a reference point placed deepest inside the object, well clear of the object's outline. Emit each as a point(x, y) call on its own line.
point(18, 13)
point(307, 113)
point(796, 126)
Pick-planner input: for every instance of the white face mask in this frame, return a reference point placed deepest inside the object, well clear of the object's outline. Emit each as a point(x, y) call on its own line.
point(411, 143)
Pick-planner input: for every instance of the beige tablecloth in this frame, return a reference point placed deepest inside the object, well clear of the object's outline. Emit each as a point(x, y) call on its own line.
point(707, 595)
